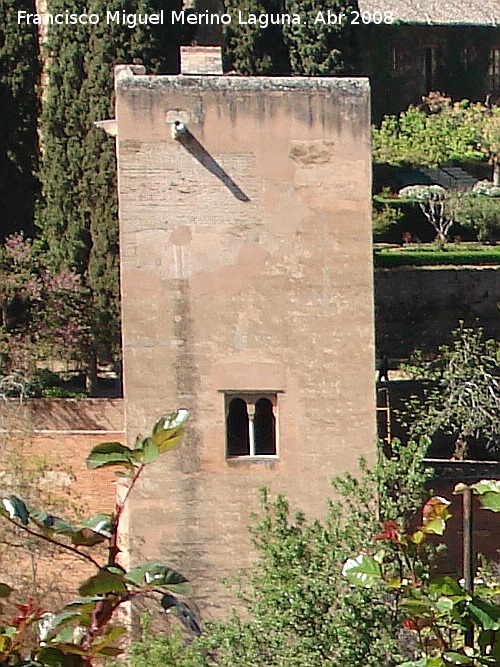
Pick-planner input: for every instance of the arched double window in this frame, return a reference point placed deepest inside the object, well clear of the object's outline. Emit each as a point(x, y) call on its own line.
point(250, 424)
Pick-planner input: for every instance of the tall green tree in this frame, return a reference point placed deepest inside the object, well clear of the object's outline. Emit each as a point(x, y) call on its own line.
point(79, 214)
point(19, 107)
point(313, 47)
point(318, 46)
point(255, 49)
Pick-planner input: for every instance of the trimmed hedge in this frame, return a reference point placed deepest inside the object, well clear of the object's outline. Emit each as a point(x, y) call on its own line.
point(434, 257)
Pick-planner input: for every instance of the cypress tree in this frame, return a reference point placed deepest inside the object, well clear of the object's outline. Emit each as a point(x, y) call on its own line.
point(19, 106)
point(316, 47)
point(79, 219)
point(64, 125)
point(254, 49)
point(311, 48)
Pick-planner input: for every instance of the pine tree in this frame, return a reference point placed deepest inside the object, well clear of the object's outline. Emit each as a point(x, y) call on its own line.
point(19, 106)
point(79, 220)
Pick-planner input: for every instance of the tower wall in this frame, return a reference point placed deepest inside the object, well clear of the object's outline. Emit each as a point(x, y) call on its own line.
point(246, 266)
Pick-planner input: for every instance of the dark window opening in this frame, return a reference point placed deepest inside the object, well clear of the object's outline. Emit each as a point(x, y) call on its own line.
point(494, 69)
point(238, 440)
point(430, 67)
point(264, 427)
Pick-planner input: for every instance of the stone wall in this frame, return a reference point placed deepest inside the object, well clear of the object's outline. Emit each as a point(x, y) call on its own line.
point(246, 266)
point(62, 433)
point(418, 308)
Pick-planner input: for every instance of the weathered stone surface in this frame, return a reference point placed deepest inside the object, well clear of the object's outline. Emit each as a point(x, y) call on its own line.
point(246, 265)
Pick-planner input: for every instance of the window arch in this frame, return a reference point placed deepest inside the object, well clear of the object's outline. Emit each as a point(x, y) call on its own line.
point(237, 433)
point(264, 427)
point(250, 424)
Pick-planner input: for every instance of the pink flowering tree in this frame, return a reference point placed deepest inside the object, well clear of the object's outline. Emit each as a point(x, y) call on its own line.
point(43, 314)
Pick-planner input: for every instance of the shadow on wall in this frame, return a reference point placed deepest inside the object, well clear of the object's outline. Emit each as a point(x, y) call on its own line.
point(193, 146)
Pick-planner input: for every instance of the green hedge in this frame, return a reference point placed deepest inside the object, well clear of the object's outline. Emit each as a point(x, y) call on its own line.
point(434, 257)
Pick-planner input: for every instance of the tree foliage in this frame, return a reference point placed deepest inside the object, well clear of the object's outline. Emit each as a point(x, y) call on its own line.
point(317, 48)
point(43, 313)
point(19, 108)
point(463, 395)
point(311, 48)
point(439, 134)
point(298, 609)
point(78, 217)
point(481, 214)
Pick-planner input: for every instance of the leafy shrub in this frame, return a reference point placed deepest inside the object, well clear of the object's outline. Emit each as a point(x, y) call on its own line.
point(482, 214)
point(422, 192)
point(433, 257)
point(486, 188)
point(298, 609)
point(385, 220)
point(454, 622)
point(154, 649)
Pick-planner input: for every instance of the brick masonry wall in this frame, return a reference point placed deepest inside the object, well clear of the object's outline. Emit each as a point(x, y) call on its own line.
point(62, 432)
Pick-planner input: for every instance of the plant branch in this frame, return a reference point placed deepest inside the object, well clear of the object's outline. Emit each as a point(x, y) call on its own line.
point(114, 550)
point(60, 545)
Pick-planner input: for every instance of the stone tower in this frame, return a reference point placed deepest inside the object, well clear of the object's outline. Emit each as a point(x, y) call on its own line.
point(246, 268)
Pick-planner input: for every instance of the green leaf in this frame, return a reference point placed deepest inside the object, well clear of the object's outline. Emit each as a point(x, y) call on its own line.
point(445, 605)
point(171, 421)
point(158, 575)
point(105, 581)
point(489, 490)
point(417, 607)
point(362, 571)
point(149, 451)
point(446, 586)
point(9, 631)
point(112, 634)
point(52, 656)
point(484, 614)
point(486, 486)
point(456, 658)
point(434, 515)
point(168, 431)
point(70, 648)
point(108, 652)
point(58, 620)
point(5, 643)
point(51, 525)
point(5, 590)
point(491, 501)
point(93, 531)
point(417, 537)
point(87, 602)
point(109, 454)
point(15, 509)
